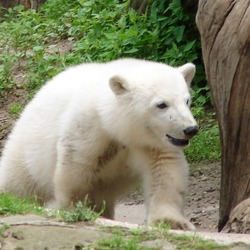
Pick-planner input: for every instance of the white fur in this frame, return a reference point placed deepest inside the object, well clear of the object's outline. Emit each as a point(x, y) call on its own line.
point(95, 130)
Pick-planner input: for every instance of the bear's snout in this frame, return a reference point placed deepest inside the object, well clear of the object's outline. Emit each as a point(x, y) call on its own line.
point(191, 131)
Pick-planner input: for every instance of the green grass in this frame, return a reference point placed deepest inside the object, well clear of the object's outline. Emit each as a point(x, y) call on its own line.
point(154, 239)
point(16, 109)
point(118, 242)
point(81, 212)
point(10, 204)
point(185, 242)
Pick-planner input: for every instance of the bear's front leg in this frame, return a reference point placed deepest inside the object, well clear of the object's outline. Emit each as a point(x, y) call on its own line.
point(165, 183)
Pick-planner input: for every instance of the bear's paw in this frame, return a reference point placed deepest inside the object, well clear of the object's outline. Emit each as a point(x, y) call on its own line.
point(174, 219)
point(182, 224)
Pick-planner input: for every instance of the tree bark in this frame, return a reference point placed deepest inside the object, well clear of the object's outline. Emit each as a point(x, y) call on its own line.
point(139, 5)
point(225, 34)
point(28, 4)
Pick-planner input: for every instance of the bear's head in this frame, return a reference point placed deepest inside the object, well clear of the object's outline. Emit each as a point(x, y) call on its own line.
point(152, 104)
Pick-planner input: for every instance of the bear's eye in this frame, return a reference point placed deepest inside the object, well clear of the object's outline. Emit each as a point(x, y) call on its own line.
point(188, 102)
point(162, 105)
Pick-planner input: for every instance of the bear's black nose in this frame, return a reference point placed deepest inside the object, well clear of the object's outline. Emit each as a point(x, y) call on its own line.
point(191, 131)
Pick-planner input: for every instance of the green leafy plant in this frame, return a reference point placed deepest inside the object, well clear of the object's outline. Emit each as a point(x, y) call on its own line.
point(99, 31)
point(16, 109)
point(178, 41)
point(81, 212)
point(6, 77)
point(205, 146)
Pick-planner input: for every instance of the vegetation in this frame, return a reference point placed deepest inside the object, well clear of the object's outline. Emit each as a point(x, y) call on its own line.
point(10, 204)
point(81, 212)
point(205, 146)
point(97, 31)
point(15, 109)
point(136, 239)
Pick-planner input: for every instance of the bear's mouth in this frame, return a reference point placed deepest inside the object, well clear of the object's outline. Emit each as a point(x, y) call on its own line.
point(177, 142)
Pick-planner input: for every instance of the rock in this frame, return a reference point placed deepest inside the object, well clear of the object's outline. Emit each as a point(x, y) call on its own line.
point(239, 219)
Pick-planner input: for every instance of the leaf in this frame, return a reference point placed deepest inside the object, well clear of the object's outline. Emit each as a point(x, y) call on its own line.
point(178, 32)
point(130, 51)
point(189, 46)
point(175, 47)
point(38, 48)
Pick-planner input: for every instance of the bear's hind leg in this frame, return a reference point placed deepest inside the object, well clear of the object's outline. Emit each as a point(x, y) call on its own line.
point(70, 186)
point(15, 179)
point(85, 189)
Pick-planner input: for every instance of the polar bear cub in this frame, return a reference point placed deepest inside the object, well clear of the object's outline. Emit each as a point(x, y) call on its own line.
point(97, 129)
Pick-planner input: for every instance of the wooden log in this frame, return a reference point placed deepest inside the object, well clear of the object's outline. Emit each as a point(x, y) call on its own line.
point(225, 35)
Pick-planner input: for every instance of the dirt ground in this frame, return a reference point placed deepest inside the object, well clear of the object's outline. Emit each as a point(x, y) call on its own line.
point(202, 201)
point(203, 197)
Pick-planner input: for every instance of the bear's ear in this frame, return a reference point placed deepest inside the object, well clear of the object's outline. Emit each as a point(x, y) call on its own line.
point(188, 71)
point(118, 85)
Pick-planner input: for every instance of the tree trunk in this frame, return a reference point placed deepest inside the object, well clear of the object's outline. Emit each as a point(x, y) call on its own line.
point(225, 34)
point(139, 5)
point(28, 4)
